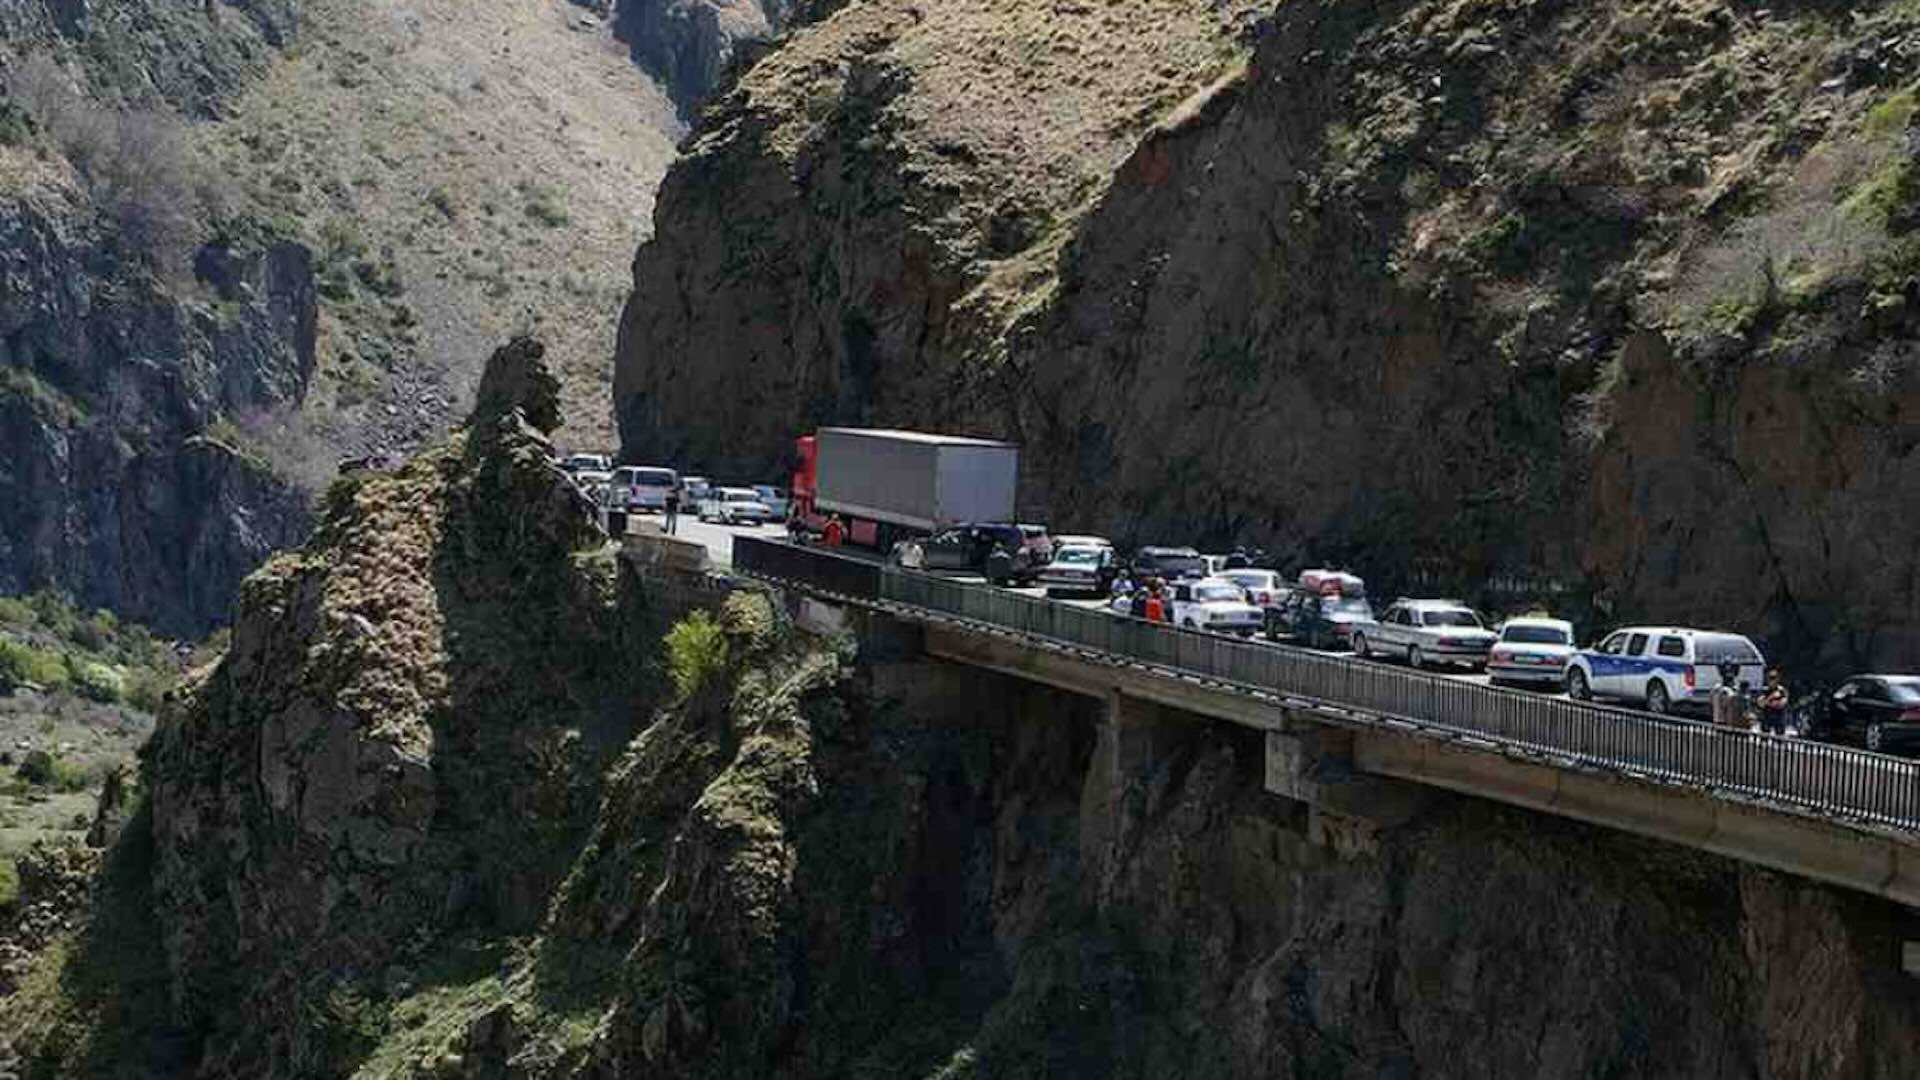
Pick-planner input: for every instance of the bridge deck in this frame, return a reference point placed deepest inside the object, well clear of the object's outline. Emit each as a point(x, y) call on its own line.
point(1834, 813)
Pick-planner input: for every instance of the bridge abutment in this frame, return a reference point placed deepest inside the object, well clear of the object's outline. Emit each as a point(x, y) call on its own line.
point(1312, 763)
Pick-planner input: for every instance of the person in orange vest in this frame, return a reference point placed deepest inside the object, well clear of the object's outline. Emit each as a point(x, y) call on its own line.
point(834, 533)
point(1156, 604)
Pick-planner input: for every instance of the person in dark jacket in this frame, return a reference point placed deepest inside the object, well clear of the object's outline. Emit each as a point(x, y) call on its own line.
point(1773, 704)
point(1239, 560)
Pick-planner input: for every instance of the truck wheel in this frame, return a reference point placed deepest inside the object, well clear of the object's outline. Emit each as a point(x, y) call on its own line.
point(1360, 646)
point(1415, 658)
point(1657, 701)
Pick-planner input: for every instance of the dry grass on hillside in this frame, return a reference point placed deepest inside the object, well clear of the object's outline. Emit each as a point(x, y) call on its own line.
point(1007, 117)
point(462, 170)
point(1043, 99)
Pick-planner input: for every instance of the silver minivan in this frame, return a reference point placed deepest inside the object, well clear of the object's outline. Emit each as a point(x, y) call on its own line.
point(642, 487)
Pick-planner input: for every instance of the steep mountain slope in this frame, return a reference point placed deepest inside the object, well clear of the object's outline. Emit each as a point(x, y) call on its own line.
point(886, 170)
point(116, 479)
point(462, 171)
point(243, 241)
point(1605, 300)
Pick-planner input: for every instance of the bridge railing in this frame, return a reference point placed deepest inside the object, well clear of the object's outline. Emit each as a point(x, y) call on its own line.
point(1829, 779)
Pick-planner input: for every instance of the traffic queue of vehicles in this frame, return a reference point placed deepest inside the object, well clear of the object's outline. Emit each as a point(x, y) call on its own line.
point(947, 503)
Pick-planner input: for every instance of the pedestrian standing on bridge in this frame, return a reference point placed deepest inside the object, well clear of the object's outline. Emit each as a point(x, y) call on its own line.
point(1156, 608)
point(1726, 698)
point(1773, 704)
point(834, 533)
point(670, 510)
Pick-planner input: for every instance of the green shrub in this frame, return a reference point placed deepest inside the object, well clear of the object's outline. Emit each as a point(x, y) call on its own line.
point(95, 682)
point(696, 652)
point(20, 664)
point(43, 769)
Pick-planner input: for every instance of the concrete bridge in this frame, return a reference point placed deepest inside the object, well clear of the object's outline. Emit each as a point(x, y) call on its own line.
point(1356, 740)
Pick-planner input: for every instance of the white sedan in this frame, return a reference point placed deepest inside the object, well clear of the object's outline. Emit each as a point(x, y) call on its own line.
point(1214, 604)
point(735, 506)
point(1531, 650)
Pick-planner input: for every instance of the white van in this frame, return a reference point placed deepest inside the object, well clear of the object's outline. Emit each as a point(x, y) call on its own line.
point(1662, 668)
point(642, 487)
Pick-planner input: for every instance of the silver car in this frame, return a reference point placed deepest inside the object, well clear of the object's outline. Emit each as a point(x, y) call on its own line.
point(1424, 632)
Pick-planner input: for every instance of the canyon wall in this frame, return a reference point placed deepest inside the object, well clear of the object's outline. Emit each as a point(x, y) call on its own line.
point(1614, 304)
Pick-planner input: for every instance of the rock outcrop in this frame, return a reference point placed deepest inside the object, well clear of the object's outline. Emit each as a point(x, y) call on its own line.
point(1601, 304)
point(689, 45)
point(401, 743)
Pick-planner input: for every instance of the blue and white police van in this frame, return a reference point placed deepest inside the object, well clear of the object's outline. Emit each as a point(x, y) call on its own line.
point(1662, 668)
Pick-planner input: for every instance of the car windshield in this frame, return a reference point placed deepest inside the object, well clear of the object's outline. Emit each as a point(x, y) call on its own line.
point(1077, 556)
point(1215, 592)
point(1536, 635)
point(1347, 605)
point(653, 477)
point(1251, 579)
point(742, 496)
point(1450, 617)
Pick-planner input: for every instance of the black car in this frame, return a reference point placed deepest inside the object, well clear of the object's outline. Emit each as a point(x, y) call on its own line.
point(1172, 563)
point(1880, 712)
point(975, 546)
point(1315, 619)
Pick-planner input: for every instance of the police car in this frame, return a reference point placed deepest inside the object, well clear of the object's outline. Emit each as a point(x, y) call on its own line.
point(1662, 668)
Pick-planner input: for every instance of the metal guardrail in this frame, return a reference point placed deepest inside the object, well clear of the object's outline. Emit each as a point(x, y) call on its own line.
point(1832, 780)
point(820, 567)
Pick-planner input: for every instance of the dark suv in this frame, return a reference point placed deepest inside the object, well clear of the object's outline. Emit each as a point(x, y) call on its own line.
point(1172, 563)
point(1023, 550)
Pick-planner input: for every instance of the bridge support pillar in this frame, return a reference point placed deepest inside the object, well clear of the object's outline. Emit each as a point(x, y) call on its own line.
point(1313, 764)
point(1135, 737)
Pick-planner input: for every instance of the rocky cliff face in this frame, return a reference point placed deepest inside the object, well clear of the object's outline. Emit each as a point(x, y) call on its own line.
point(232, 263)
point(132, 332)
point(193, 56)
point(401, 744)
point(115, 481)
point(1615, 302)
point(689, 45)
